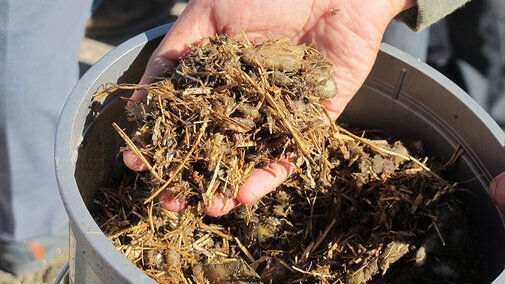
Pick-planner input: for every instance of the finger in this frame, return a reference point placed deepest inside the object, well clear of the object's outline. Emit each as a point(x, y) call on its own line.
point(258, 184)
point(497, 191)
point(221, 206)
point(133, 162)
point(167, 201)
point(265, 180)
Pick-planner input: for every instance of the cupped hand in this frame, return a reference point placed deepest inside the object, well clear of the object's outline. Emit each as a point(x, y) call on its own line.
point(347, 32)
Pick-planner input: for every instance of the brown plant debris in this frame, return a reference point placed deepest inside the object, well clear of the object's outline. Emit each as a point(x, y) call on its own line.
point(358, 209)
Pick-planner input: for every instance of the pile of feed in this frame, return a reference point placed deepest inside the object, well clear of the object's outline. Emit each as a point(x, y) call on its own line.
point(357, 210)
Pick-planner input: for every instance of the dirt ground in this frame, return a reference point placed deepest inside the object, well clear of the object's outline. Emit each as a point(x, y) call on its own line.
point(47, 275)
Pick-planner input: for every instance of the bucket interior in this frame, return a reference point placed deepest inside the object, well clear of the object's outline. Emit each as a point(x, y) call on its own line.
point(405, 117)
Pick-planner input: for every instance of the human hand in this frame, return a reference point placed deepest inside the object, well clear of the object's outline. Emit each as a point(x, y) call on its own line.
point(497, 191)
point(347, 32)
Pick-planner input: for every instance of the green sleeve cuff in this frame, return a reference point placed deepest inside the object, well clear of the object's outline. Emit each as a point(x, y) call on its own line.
point(427, 12)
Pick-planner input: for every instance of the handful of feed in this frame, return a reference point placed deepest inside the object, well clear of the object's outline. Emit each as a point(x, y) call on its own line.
point(358, 209)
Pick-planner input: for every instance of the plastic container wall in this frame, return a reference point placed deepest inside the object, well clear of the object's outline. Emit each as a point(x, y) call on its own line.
point(403, 96)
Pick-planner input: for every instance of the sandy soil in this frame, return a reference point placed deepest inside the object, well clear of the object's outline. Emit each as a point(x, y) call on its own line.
point(46, 275)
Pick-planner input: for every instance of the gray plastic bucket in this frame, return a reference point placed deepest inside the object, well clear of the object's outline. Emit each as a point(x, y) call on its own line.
point(402, 95)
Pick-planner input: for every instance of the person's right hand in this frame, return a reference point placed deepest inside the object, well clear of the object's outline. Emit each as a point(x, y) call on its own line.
point(347, 32)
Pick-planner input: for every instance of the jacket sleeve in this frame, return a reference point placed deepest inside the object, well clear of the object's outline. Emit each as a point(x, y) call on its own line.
point(427, 12)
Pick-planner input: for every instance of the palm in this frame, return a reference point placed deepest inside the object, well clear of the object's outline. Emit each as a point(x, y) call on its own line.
point(347, 32)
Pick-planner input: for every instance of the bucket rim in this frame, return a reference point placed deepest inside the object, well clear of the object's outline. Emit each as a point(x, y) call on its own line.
point(67, 142)
point(69, 137)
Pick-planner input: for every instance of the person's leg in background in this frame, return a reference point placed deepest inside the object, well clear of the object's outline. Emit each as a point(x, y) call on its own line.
point(477, 36)
point(39, 43)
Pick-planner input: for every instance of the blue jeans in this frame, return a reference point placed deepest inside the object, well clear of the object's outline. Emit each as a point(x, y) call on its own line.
point(39, 43)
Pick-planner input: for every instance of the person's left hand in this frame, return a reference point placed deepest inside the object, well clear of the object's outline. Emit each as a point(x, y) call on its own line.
point(497, 191)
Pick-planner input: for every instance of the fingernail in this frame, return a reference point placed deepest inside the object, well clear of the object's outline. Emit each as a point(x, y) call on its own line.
point(167, 201)
point(221, 206)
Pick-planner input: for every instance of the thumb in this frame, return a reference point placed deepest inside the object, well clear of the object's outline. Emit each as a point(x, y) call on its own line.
point(193, 24)
point(497, 191)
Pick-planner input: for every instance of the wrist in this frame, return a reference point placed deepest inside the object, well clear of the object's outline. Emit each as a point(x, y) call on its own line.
point(402, 5)
point(393, 8)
